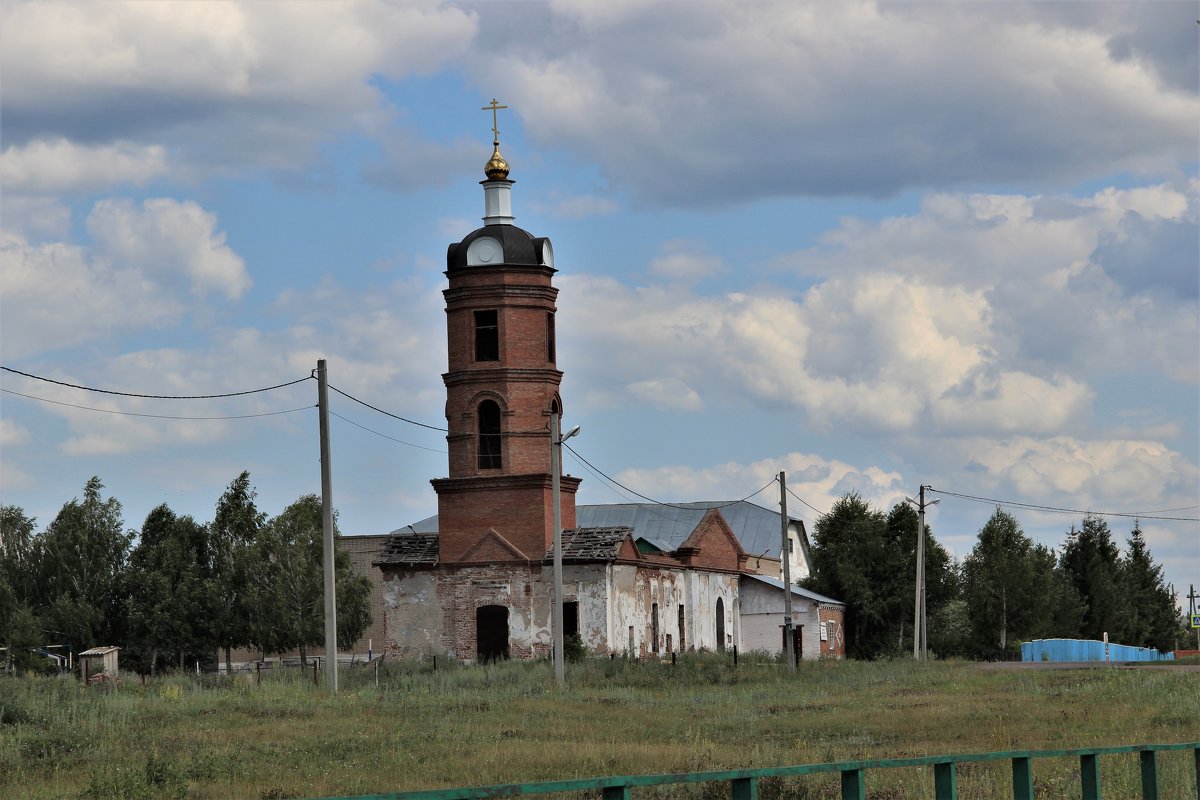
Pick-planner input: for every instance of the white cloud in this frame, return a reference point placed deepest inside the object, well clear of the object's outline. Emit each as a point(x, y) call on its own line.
point(1105, 475)
point(12, 434)
point(142, 259)
point(228, 83)
point(165, 237)
point(57, 295)
point(34, 218)
point(56, 165)
point(670, 393)
point(376, 343)
point(695, 104)
point(686, 261)
point(820, 481)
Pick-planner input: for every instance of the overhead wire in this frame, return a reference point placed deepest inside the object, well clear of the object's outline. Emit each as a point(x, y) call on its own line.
point(156, 396)
point(615, 482)
point(155, 416)
point(386, 413)
point(805, 502)
point(384, 435)
point(1058, 510)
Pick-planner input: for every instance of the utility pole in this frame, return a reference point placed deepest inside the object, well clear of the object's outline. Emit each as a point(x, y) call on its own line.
point(331, 664)
point(1192, 598)
point(556, 443)
point(789, 632)
point(556, 502)
point(920, 627)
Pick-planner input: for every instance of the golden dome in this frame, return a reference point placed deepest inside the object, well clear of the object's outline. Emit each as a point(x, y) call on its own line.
point(496, 167)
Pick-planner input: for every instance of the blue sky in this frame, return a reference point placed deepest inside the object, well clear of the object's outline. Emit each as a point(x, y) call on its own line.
point(872, 244)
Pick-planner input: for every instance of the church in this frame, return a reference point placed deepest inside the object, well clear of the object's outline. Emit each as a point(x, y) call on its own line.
point(475, 582)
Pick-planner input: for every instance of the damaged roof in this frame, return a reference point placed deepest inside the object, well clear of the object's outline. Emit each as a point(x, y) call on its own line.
point(592, 544)
point(409, 548)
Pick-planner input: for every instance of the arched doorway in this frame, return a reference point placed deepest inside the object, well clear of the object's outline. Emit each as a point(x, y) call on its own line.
point(491, 634)
point(720, 624)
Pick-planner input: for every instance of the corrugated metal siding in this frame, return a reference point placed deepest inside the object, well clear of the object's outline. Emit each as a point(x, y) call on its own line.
point(1087, 650)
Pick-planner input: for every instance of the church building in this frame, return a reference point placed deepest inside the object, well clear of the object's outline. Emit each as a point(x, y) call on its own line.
point(476, 581)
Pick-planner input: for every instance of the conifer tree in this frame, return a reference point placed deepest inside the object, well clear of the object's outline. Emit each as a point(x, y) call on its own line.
point(1153, 614)
point(1092, 564)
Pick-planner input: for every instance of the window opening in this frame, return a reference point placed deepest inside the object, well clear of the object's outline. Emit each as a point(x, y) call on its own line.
point(489, 435)
point(550, 336)
point(682, 638)
point(720, 624)
point(654, 627)
point(487, 336)
point(571, 618)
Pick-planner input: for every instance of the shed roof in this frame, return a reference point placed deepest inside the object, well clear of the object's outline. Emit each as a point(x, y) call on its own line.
point(100, 651)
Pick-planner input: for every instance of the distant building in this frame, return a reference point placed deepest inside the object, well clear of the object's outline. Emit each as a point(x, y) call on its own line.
point(474, 582)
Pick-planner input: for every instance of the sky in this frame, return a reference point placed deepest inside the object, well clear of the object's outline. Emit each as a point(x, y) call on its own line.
point(873, 245)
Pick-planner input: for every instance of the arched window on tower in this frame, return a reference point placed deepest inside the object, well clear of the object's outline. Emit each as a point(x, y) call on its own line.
point(489, 435)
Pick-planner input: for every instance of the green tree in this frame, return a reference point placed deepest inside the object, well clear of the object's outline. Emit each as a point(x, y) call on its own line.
point(1007, 579)
point(1153, 614)
point(941, 578)
point(850, 563)
point(171, 594)
point(287, 584)
point(18, 626)
point(1092, 565)
point(80, 560)
point(235, 529)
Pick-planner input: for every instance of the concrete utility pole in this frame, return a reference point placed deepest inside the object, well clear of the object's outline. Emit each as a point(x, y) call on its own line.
point(556, 442)
point(789, 633)
point(331, 665)
point(920, 622)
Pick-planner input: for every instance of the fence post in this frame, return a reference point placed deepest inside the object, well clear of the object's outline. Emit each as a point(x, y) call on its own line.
point(945, 785)
point(1197, 754)
point(1089, 772)
point(854, 785)
point(1022, 772)
point(1149, 775)
point(744, 789)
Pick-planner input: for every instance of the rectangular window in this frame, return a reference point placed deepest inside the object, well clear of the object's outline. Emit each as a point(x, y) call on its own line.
point(654, 627)
point(682, 639)
point(791, 545)
point(550, 336)
point(487, 336)
point(570, 618)
point(824, 632)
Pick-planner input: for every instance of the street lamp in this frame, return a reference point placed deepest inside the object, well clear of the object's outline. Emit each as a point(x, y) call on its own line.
point(556, 441)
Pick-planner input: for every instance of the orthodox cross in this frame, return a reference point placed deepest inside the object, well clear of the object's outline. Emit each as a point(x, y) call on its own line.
point(494, 107)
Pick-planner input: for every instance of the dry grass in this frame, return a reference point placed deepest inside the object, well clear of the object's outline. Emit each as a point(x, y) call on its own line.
point(217, 738)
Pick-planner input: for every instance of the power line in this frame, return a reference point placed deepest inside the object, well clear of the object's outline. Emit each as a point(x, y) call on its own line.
point(157, 396)
point(384, 435)
point(1057, 510)
point(386, 413)
point(153, 416)
point(615, 482)
point(802, 500)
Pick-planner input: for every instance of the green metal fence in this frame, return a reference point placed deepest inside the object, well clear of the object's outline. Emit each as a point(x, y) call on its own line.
point(744, 782)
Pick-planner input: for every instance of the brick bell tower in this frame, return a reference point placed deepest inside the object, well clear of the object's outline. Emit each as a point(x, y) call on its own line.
point(501, 386)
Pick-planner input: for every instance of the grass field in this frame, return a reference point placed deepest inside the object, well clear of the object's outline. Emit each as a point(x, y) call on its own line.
point(214, 737)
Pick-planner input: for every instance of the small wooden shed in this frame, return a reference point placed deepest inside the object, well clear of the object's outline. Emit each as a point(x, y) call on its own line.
point(107, 656)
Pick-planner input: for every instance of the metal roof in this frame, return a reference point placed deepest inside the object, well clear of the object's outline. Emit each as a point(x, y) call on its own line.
point(666, 527)
point(796, 590)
